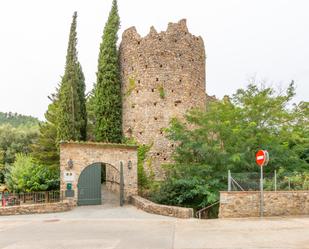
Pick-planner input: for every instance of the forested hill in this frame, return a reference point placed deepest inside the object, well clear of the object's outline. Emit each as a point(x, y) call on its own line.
point(16, 120)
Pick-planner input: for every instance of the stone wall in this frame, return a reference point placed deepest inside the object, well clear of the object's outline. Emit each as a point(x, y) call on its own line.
point(163, 76)
point(247, 203)
point(154, 208)
point(112, 178)
point(37, 208)
point(85, 154)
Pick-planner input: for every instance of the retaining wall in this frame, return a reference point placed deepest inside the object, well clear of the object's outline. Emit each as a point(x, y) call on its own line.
point(154, 208)
point(37, 208)
point(236, 204)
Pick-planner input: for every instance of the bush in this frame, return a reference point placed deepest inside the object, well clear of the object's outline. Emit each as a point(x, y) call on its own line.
point(25, 175)
point(181, 192)
point(186, 185)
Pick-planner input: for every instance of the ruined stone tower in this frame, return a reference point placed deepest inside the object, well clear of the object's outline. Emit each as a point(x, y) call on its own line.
point(163, 76)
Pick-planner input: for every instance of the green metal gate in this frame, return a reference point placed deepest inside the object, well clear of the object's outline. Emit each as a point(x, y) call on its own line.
point(89, 185)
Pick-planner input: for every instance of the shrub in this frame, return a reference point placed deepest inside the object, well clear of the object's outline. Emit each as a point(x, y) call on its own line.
point(25, 175)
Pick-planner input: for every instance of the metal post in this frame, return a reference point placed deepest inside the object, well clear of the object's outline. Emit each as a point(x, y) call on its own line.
point(2, 199)
point(275, 180)
point(46, 197)
point(262, 194)
point(229, 181)
point(121, 185)
point(289, 181)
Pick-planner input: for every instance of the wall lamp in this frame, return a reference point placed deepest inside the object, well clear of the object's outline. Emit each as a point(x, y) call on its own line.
point(70, 164)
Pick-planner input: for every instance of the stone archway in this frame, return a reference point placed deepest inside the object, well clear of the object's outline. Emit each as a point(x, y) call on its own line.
point(76, 156)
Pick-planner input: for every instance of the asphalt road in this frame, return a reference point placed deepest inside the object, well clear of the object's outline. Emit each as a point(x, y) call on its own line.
point(129, 228)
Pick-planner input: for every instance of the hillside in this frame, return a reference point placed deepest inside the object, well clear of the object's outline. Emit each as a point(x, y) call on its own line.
point(16, 120)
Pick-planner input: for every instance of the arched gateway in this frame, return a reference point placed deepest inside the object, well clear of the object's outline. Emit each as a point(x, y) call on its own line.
point(84, 165)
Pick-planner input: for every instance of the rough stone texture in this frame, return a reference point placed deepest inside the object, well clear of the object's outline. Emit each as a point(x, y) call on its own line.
point(153, 208)
point(247, 203)
point(85, 154)
point(38, 208)
point(170, 63)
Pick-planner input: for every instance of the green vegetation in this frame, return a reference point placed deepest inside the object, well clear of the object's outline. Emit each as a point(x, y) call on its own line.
point(25, 175)
point(143, 180)
point(146, 182)
point(15, 140)
point(132, 86)
point(66, 117)
point(45, 150)
point(227, 136)
point(17, 120)
point(288, 181)
point(17, 135)
point(106, 102)
point(161, 92)
point(71, 111)
point(90, 116)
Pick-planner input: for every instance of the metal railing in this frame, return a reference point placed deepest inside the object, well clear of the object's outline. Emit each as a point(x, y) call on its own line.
point(199, 213)
point(273, 181)
point(17, 199)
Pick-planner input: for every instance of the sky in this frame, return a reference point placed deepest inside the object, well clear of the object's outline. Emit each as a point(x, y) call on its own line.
point(263, 39)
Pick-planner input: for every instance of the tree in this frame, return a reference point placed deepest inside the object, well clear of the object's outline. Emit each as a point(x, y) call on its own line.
point(232, 130)
point(72, 116)
point(91, 116)
point(81, 89)
point(227, 135)
point(25, 175)
point(15, 140)
point(106, 101)
point(46, 151)
point(17, 120)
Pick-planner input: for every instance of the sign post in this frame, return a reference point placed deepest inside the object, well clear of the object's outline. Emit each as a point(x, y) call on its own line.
point(262, 193)
point(262, 158)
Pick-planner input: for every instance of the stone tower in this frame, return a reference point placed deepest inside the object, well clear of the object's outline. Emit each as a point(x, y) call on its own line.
point(163, 76)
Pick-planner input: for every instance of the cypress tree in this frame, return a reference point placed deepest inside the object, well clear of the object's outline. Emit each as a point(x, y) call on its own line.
point(81, 89)
point(107, 103)
point(72, 116)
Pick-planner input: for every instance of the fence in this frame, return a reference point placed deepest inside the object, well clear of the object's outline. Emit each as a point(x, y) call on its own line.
point(272, 181)
point(17, 199)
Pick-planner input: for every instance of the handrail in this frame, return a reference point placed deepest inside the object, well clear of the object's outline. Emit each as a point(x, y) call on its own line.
point(111, 181)
point(198, 213)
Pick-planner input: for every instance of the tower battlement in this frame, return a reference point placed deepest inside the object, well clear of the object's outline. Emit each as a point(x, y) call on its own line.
point(163, 76)
point(180, 28)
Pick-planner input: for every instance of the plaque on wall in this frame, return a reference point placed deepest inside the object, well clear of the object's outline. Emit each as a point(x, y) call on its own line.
point(69, 193)
point(68, 176)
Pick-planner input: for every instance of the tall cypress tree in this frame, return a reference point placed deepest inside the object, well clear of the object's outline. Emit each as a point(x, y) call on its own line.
point(72, 116)
point(81, 89)
point(106, 101)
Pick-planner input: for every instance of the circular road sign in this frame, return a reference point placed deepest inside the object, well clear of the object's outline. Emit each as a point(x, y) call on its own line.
point(261, 158)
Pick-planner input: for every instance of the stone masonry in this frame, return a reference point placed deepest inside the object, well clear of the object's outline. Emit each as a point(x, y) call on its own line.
point(154, 208)
point(85, 154)
point(37, 208)
point(240, 204)
point(163, 76)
